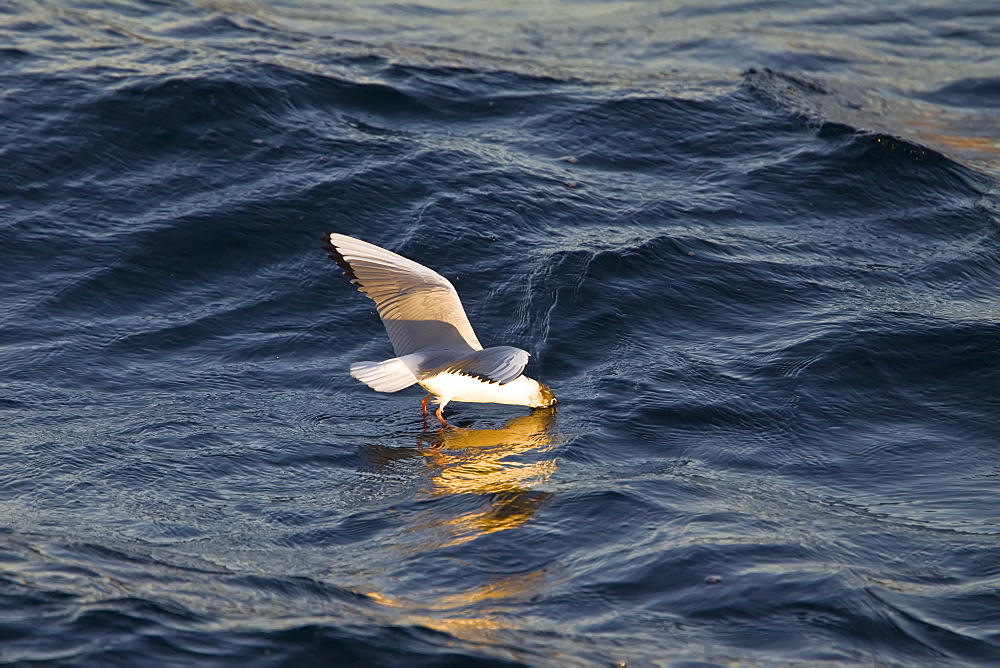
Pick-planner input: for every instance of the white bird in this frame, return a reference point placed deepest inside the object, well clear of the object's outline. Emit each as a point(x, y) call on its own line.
point(430, 332)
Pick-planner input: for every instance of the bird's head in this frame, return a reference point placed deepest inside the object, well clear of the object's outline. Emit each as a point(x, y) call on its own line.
point(544, 398)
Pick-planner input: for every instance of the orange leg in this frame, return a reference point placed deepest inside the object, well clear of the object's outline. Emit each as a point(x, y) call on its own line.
point(423, 404)
point(444, 423)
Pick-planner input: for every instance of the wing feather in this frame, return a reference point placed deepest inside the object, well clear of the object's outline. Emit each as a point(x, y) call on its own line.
point(500, 364)
point(418, 306)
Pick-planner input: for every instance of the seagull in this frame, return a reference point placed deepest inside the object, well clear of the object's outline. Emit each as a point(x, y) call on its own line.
point(435, 345)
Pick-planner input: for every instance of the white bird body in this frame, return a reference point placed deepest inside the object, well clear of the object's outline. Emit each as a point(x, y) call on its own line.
point(522, 391)
point(435, 344)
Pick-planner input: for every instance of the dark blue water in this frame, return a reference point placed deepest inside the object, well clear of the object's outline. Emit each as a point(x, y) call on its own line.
point(755, 251)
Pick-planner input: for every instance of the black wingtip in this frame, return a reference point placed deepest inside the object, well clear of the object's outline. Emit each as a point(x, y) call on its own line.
point(337, 256)
point(485, 378)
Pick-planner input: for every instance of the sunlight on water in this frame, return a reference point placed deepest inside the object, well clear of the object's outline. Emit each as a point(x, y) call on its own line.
point(488, 466)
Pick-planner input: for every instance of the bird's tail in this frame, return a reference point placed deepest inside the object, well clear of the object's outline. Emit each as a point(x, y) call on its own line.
point(392, 375)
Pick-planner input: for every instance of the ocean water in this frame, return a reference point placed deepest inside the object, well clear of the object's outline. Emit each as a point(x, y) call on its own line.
point(754, 248)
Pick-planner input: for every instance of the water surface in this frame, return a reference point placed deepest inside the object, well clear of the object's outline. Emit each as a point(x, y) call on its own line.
point(752, 248)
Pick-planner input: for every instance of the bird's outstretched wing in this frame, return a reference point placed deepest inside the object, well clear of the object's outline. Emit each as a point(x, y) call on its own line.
point(500, 364)
point(419, 307)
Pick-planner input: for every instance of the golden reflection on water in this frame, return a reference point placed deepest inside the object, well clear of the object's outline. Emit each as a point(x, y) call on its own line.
point(500, 470)
point(475, 614)
point(964, 136)
point(484, 462)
